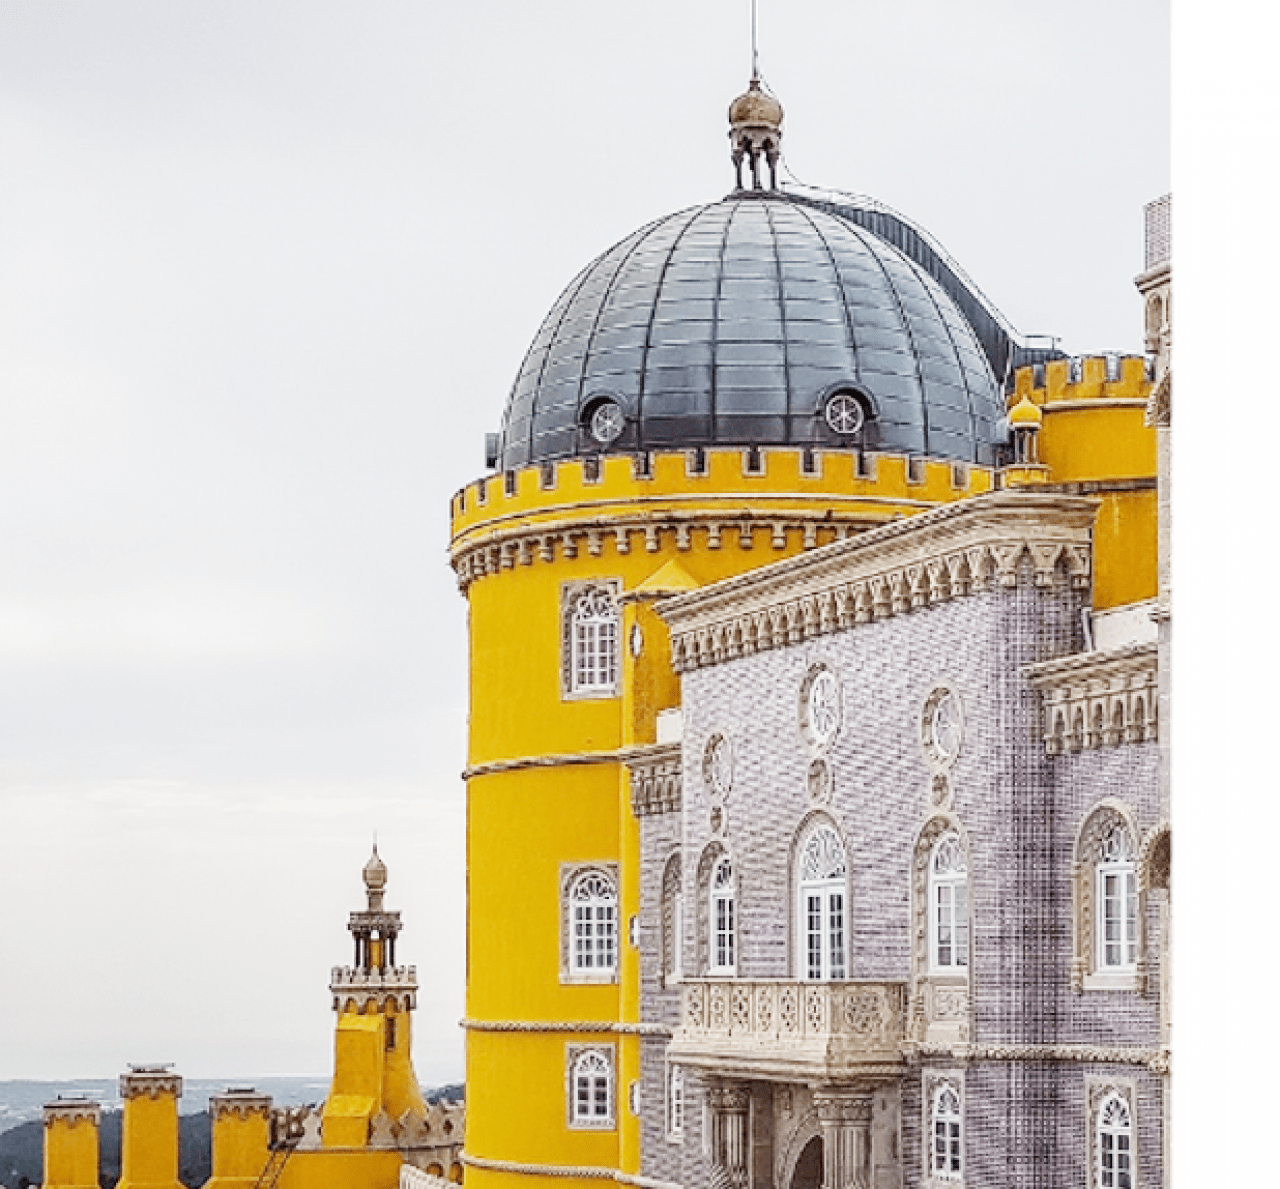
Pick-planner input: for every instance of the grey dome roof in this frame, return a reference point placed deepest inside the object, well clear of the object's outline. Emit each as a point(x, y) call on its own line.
point(733, 323)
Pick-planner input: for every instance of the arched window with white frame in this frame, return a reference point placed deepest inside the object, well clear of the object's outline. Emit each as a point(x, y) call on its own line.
point(1117, 901)
point(946, 1148)
point(592, 630)
point(948, 907)
point(821, 909)
point(1114, 1144)
point(593, 912)
point(1108, 937)
point(724, 926)
point(591, 1081)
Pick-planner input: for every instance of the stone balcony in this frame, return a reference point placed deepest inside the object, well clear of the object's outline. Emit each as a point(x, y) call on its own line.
point(787, 1030)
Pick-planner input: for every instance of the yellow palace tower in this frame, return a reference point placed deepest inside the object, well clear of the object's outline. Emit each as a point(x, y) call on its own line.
point(731, 385)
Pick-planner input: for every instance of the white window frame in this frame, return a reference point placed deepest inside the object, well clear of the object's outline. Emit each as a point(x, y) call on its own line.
point(722, 958)
point(1116, 901)
point(822, 906)
point(949, 907)
point(675, 1102)
point(592, 633)
point(946, 1134)
point(589, 934)
point(590, 1087)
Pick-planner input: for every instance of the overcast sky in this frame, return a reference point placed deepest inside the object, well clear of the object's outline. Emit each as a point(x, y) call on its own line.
point(267, 271)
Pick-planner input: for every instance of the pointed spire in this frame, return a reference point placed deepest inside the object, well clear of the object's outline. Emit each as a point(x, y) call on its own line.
point(375, 879)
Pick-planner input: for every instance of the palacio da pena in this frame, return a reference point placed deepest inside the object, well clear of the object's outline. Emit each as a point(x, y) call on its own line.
point(818, 811)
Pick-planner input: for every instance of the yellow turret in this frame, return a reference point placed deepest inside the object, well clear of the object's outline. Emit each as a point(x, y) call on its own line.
point(71, 1128)
point(149, 1130)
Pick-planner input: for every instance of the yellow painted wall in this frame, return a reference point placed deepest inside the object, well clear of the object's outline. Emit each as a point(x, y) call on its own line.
point(325, 1169)
point(524, 823)
point(149, 1143)
point(357, 1081)
point(239, 1149)
point(70, 1154)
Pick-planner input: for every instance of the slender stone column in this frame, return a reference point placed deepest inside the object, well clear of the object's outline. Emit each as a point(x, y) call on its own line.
point(730, 1104)
point(845, 1115)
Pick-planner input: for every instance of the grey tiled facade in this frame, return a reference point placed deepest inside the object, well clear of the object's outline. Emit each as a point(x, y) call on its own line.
point(1032, 1043)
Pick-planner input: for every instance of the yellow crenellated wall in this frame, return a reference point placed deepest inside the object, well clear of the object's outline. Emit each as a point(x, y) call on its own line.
point(1094, 434)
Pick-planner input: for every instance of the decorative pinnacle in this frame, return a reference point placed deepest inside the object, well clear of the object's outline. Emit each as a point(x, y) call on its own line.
point(375, 880)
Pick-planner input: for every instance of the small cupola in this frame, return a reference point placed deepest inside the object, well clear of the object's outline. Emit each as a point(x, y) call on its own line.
point(755, 134)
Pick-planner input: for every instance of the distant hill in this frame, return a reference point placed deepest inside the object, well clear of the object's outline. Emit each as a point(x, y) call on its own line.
point(22, 1147)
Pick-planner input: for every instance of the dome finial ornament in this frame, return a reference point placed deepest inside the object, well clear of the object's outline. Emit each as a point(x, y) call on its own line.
point(755, 133)
point(375, 879)
point(755, 124)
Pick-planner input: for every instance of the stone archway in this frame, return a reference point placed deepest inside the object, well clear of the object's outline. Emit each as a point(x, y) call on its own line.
point(807, 1173)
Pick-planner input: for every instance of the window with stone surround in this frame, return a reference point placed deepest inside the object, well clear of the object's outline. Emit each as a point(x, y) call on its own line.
point(822, 904)
point(591, 1088)
point(1112, 1136)
point(590, 641)
point(675, 1102)
point(589, 923)
point(1109, 942)
point(945, 1135)
point(723, 915)
point(948, 907)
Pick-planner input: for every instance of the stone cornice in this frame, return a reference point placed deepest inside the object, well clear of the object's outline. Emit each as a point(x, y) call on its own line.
point(150, 1083)
point(1096, 699)
point(1155, 1059)
point(656, 781)
point(619, 755)
point(364, 987)
point(240, 1103)
point(576, 1171)
point(963, 548)
point(567, 1026)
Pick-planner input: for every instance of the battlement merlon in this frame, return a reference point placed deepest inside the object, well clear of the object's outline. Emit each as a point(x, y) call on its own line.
point(355, 988)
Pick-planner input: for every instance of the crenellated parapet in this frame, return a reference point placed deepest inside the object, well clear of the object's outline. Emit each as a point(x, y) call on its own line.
point(1094, 378)
point(352, 988)
point(766, 499)
point(947, 553)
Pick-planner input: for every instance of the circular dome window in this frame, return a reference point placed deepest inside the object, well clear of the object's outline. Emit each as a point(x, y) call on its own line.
point(606, 421)
point(844, 412)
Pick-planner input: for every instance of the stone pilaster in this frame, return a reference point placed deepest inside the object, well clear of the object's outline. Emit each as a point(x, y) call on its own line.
point(730, 1104)
point(845, 1115)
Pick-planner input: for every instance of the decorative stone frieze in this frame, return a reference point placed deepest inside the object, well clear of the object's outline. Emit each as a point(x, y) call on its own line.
point(656, 782)
point(1098, 699)
point(240, 1104)
point(945, 553)
point(71, 1111)
point(522, 544)
point(362, 988)
point(150, 1081)
point(788, 1029)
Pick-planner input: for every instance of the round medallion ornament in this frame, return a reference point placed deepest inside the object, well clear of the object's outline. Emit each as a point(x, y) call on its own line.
point(607, 422)
point(717, 766)
point(941, 728)
point(820, 706)
point(843, 413)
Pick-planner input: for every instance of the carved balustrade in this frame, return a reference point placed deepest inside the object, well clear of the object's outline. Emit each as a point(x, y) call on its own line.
point(788, 1030)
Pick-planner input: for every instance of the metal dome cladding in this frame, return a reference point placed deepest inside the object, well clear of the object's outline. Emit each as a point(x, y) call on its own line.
point(757, 320)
